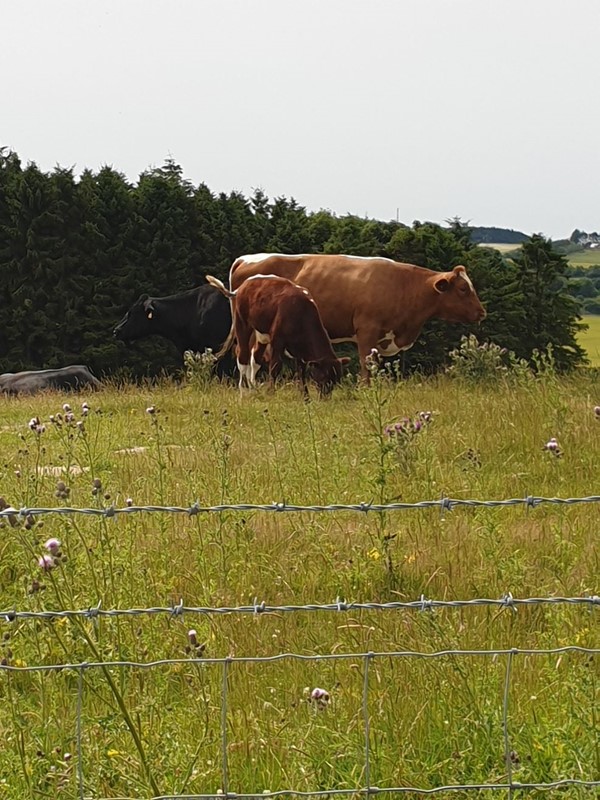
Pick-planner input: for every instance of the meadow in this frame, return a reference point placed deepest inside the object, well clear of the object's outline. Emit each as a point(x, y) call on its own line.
point(590, 338)
point(157, 731)
point(584, 258)
point(502, 247)
point(580, 258)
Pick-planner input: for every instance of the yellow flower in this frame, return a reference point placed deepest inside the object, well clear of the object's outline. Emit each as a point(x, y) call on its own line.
point(374, 554)
point(113, 753)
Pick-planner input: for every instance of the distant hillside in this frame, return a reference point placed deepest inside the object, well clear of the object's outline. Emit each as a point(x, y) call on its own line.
point(483, 235)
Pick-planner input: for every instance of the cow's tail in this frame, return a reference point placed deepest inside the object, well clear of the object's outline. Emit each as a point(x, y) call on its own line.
point(228, 343)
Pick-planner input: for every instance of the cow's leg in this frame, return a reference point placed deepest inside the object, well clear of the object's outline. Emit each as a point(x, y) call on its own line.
point(275, 364)
point(258, 358)
point(243, 334)
point(366, 340)
point(301, 372)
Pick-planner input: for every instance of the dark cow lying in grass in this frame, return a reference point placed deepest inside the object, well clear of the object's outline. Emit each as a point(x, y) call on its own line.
point(197, 320)
point(73, 377)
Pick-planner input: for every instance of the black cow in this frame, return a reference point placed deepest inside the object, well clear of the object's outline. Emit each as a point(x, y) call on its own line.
point(75, 376)
point(194, 320)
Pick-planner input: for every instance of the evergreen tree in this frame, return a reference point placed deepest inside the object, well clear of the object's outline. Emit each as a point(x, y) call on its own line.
point(289, 225)
point(551, 314)
point(75, 254)
point(320, 226)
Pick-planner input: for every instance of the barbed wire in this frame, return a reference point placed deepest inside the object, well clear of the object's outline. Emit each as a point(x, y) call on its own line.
point(443, 504)
point(507, 601)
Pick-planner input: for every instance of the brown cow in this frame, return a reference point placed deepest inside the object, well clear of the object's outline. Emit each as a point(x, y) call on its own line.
point(271, 315)
point(373, 302)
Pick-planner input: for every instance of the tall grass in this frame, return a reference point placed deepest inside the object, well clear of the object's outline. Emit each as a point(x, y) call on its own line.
point(433, 721)
point(590, 338)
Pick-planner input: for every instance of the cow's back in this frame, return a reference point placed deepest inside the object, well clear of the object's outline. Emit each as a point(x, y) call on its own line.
point(343, 287)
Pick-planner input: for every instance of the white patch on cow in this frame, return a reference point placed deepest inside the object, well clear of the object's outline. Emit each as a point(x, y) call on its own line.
point(344, 339)
point(254, 367)
point(270, 277)
point(369, 258)
point(468, 280)
point(387, 344)
point(256, 258)
point(244, 371)
point(262, 338)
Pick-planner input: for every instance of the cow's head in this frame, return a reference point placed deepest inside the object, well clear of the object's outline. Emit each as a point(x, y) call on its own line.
point(457, 298)
point(326, 373)
point(138, 322)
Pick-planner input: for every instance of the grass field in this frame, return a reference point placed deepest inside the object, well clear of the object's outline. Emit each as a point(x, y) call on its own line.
point(590, 339)
point(502, 247)
point(584, 258)
point(157, 731)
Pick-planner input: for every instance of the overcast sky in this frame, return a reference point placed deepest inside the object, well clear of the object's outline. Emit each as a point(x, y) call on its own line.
point(484, 109)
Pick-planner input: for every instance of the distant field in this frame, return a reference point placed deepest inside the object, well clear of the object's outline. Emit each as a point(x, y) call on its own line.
point(584, 258)
point(590, 339)
point(502, 247)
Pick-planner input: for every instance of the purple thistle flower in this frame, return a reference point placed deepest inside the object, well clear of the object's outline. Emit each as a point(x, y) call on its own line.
point(52, 545)
point(319, 698)
point(46, 562)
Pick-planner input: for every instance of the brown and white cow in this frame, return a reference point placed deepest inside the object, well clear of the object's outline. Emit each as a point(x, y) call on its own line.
point(373, 302)
point(273, 316)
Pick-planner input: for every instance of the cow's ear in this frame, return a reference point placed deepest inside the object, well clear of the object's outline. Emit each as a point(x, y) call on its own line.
point(441, 284)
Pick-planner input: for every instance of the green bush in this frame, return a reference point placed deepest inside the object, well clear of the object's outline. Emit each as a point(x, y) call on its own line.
point(472, 361)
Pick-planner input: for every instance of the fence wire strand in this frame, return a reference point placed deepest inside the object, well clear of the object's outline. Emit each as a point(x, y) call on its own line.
point(507, 601)
point(443, 504)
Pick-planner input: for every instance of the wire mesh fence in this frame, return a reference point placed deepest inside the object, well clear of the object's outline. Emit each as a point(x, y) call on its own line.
point(507, 784)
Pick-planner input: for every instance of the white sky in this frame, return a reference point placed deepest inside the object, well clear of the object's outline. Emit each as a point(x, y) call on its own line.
point(485, 109)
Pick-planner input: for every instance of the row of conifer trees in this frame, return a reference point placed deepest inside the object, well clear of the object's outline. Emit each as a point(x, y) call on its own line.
point(76, 251)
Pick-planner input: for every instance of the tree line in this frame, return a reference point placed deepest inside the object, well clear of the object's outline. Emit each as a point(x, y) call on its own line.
point(75, 252)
